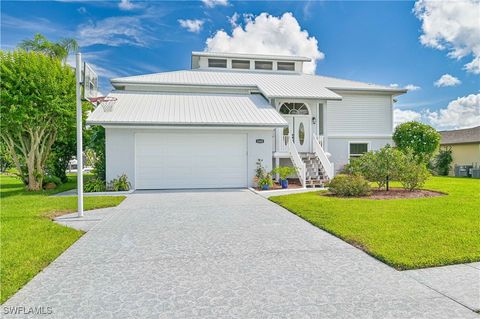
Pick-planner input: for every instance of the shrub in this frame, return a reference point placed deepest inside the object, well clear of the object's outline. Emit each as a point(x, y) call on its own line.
point(349, 185)
point(121, 183)
point(443, 161)
point(94, 185)
point(377, 166)
point(412, 175)
point(421, 138)
point(50, 179)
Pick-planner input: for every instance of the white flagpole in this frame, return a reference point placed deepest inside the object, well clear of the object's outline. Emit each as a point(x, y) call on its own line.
point(78, 71)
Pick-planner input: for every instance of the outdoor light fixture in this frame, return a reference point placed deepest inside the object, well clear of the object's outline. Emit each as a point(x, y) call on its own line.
point(314, 120)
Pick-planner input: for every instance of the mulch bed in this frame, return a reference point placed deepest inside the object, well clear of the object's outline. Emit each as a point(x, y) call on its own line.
point(292, 184)
point(396, 193)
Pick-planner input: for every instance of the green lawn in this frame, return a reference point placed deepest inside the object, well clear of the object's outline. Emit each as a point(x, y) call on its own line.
point(404, 233)
point(29, 239)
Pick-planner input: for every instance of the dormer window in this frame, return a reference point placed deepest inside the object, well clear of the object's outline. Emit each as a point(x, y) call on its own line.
point(217, 63)
point(241, 64)
point(263, 65)
point(285, 66)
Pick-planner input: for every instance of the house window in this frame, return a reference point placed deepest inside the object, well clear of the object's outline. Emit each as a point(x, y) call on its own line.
point(263, 65)
point(217, 63)
point(285, 66)
point(241, 64)
point(294, 108)
point(357, 149)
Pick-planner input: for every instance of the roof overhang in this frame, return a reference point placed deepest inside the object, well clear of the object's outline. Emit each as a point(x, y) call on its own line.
point(187, 110)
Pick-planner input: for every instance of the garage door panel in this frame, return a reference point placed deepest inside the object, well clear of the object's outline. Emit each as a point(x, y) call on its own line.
point(175, 160)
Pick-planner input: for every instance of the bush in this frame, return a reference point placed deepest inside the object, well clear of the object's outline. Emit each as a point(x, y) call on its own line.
point(349, 185)
point(443, 161)
point(421, 138)
point(94, 185)
point(50, 179)
point(284, 171)
point(121, 183)
point(377, 166)
point(412, 175)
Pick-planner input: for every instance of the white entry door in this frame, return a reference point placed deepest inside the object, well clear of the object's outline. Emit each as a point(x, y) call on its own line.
point(190, 160)
point(299, 127)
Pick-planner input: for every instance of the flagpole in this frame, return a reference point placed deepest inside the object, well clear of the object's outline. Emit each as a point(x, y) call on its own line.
point(78, 81)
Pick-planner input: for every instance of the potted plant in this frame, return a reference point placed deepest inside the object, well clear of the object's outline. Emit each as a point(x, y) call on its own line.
point(265, 182)
point(284, 172)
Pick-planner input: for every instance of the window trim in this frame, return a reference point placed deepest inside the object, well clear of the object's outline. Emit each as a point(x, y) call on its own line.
point(280, 104)
point(218, 67)
point(369, 148)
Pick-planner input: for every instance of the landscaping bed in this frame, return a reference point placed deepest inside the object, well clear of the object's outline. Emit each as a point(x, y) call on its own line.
point(395, 193)
point(406, 233)
point(29, 239)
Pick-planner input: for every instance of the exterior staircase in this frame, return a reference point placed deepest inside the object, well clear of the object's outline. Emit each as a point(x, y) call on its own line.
point(315, 175)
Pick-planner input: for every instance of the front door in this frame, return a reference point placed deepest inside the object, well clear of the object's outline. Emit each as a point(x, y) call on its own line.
point(300, 130)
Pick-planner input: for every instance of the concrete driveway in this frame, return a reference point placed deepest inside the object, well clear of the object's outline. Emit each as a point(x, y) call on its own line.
point(211, 254)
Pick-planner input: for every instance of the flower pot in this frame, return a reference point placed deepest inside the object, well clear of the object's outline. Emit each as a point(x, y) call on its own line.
point(284, 183)
point(265, 187)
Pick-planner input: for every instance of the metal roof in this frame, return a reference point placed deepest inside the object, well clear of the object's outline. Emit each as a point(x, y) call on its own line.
point(143, 108)
point(468, 135)
point(271, 84)
point(252, 56)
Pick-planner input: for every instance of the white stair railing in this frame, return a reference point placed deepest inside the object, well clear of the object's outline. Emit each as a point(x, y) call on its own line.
point(318, 149)
point(283, 143)
point(297, 161)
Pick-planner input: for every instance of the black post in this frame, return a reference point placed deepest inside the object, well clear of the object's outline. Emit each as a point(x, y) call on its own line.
point(387, 182)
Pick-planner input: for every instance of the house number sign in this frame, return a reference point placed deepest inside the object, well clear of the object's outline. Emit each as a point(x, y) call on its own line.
point(259, 140)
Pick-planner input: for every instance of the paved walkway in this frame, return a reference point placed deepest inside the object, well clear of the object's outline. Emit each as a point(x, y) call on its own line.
point(211, 254)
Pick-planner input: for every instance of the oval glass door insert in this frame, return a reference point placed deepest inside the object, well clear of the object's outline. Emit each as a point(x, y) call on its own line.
point(301, 133)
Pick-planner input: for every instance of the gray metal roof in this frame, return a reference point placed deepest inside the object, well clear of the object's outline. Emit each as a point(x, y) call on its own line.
point(252, 56)
point(271, 84)
point(463, 136)
point(143, 108)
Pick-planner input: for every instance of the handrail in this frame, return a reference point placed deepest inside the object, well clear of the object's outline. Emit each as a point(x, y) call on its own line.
point(327, 165)
point(297, 161)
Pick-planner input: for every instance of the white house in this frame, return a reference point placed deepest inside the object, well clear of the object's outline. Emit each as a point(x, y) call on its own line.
point(207, 127)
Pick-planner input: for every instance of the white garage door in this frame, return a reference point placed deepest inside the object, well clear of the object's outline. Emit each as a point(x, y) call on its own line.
point(191, 160)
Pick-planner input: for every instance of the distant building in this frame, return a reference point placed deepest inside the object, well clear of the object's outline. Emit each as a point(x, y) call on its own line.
point(465, 145)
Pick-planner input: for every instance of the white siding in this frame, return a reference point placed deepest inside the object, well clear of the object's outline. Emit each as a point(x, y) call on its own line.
point(339, 148)
point(360, 114)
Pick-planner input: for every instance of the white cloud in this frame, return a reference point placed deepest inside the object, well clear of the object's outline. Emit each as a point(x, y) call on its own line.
point(411, 87)
point(447, 80)
point(402, 116)
point(113, 31)
point(214, 3)
point(460, 113)
point(127, 5)
point(233, 20)
point(191, 25)
point(452, 26)
point(267, 34)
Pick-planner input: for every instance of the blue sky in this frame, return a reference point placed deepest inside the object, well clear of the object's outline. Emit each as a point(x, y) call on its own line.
point(376, 42)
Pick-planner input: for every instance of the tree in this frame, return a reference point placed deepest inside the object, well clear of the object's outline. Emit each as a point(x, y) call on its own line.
point(59, 50)
point(380, 166)
point(37, 105)
point(443, 161)
point(96, 142)
point(5, 157)
point(421, 138)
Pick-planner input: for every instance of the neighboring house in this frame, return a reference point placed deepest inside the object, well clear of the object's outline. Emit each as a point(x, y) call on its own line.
point(207, 127)
point(465, 146)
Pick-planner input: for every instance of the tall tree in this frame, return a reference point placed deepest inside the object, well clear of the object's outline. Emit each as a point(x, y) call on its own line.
point(37, 103)
point(60, 49)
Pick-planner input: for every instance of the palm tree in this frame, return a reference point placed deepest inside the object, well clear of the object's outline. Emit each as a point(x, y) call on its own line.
point(60, 49)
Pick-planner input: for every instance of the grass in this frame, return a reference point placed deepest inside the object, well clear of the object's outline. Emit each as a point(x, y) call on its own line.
point(404, 233)
point(29, 239)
